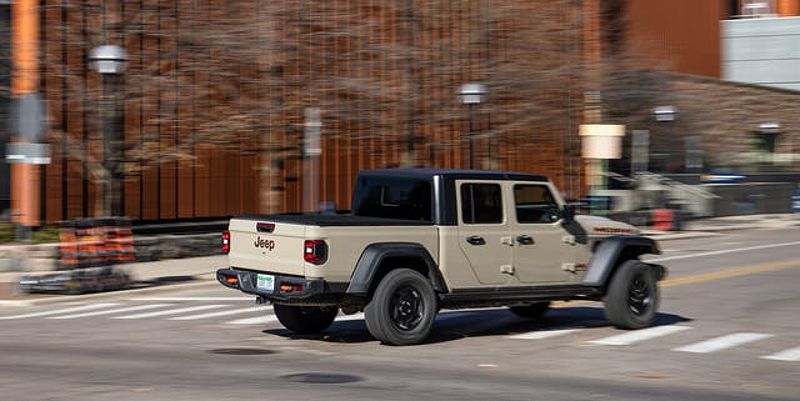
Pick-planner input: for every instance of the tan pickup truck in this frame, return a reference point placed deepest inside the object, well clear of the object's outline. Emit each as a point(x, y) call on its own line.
point(421, 240)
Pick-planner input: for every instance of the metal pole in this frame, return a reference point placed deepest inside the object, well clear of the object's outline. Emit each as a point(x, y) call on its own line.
point(471, 138)
point(111, 142)
point(312, 151)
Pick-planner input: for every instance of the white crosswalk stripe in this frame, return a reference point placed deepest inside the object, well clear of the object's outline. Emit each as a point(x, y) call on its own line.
point(542, 334)
point(722, 343)
point(111, 311)
point(640, 335)
point(227, 312)
point(789, 355)
point(60, 311)
point(170, 312)
point(255, 320)
point(345, 318)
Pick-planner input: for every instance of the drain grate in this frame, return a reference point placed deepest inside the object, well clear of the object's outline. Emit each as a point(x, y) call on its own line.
point(322, 378)
point(242, 351)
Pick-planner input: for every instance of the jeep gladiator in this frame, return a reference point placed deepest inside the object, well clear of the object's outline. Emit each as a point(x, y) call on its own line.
point(421, 240)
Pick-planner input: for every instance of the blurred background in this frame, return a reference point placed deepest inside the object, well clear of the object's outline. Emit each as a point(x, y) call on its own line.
point(191, 111)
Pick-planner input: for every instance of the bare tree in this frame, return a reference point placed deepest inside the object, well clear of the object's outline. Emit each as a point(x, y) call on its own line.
point(384, 74)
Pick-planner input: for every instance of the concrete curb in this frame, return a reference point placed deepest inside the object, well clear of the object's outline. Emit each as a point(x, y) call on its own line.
point(668, 236)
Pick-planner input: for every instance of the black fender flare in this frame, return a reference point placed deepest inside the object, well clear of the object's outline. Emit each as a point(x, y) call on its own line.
point(369, 264)
point(607, 253)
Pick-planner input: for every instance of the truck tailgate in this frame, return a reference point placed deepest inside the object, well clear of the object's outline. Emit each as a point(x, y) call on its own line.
point(267, 246)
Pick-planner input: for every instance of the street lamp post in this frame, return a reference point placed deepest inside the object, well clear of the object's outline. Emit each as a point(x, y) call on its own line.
point(109, 61)
point(471, 94)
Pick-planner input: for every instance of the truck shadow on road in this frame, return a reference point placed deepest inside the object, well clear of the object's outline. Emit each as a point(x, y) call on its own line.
point(460, 324)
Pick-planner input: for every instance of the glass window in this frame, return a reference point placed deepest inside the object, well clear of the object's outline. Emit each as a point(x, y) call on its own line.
point(481, 204)
point(393, 198)
point(535, 204)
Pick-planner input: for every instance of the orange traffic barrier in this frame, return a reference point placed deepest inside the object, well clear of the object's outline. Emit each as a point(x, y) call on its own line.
point(68, 247)
point(127, 251)
point(663, 219)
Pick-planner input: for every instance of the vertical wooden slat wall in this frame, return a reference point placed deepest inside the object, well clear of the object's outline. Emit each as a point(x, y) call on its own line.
point(53, 88)
point(412, 62)
point(132, 108)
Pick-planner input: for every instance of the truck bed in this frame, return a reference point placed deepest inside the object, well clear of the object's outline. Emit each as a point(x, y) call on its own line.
point(337, 220)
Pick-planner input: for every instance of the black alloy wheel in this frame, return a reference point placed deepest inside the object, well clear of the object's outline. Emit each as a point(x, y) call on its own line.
point(639, 295)
point(407, 307)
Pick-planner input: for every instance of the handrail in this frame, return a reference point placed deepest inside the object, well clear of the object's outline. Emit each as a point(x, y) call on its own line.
point(669, 182)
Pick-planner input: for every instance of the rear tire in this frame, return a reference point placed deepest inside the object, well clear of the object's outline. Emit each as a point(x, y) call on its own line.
point(632, 298)
point(402, 309)
point(306, 319)
point(532, 311)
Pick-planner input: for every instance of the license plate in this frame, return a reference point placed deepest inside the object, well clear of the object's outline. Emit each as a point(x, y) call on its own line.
point(265, 282)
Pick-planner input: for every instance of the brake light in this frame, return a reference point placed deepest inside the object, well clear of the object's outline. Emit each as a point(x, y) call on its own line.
point(226, 242)
point(315, 252)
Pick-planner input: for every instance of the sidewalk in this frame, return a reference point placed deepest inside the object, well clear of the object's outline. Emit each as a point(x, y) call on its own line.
point(719, 225)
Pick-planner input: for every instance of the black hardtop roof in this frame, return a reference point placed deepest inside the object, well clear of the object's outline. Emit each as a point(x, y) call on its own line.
point(427, 173)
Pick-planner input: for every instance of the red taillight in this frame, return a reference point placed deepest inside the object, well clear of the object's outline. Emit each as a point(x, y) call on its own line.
point(226, 242)
point(315, 252)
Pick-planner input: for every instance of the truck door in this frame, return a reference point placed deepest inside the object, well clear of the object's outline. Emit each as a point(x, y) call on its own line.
point(541, 244)
point(483, 233)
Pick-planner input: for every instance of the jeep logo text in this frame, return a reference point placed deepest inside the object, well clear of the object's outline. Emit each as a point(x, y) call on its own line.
point(267, 244)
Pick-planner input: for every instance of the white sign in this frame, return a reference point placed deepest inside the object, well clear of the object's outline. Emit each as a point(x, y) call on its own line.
point(602, 141)
point(27, 153)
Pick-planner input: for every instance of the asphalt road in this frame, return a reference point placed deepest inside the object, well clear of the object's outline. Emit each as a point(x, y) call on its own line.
point(728, 330)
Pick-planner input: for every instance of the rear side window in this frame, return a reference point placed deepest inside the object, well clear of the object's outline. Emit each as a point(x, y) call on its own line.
point(535, 204)
point(393, 198)
point(481, 204)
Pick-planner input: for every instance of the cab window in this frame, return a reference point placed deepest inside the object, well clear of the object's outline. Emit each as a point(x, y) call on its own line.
point(535, 204)
point(481, 204)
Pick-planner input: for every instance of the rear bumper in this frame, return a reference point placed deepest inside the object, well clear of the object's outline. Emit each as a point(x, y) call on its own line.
point(286, 289)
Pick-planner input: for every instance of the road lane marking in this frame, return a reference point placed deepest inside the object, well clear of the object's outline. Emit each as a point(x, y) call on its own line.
point(540, 335)
point(252, 309)
point(736, 272)
point(640, 335)
point(724, 342)
point(201, 299)
point(345, 318)
point(170, 312)
point(255, 320)
point(724, 251)
point(111, 311)
point(789, 355)
point(60, 311)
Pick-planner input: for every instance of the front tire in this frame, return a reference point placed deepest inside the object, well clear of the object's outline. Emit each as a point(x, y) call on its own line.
point(632, 298)
point(305, 319)
point(402, 309)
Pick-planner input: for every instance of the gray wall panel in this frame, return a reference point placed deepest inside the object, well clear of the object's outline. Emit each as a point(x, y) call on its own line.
point(762, 51)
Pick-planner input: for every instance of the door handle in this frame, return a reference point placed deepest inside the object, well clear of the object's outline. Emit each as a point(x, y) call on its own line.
point(525, 240)
point(476, 240)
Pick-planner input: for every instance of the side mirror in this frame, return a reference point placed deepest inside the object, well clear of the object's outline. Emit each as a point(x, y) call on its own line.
point(568, 213)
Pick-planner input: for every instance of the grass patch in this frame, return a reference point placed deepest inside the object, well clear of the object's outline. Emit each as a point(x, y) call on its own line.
point(42, 235)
